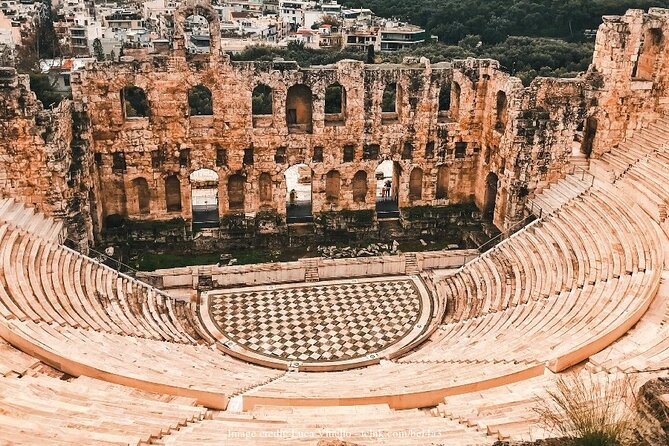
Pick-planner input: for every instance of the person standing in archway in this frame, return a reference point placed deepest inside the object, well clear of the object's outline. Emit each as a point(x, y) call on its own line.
point(293, 197)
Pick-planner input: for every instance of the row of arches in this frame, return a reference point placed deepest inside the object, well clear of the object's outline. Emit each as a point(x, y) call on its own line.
point(204, 184)
point(299, 103)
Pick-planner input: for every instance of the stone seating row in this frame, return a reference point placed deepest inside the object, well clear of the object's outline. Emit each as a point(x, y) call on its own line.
point(14, 362)
point(41, 409)
point(639, 145)
point(196, 371)
point(557, 194)
point(560, 331)
point(43, 281)
point(593, 238)
point(21, 216)
point(368, 425)
point(400, 385)
point(648, 180)
point(645, 347)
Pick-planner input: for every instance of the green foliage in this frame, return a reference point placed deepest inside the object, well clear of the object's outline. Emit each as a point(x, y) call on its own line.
point(135, 101)
point(199, 101)
point(43, 88)
point(333, 98)
point(150, 261)
point(494, 20)
point(525, 57)
point(98, 51)
point(389, 101)
point(303, 56)
point(261, 100)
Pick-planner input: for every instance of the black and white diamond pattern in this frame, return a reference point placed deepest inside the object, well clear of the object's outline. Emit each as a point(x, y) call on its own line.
point(317, 323)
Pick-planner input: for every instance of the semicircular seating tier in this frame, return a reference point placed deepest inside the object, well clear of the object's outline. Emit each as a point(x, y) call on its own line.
point(550, 296)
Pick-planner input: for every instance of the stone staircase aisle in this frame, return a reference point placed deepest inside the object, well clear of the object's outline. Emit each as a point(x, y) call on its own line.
point(311, 270)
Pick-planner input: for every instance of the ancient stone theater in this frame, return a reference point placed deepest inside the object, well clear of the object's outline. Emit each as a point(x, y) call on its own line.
point(451, 347)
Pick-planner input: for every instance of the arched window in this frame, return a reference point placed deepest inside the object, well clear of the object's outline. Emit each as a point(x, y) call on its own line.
point(443, 176)
point(236, 192)
point(455, 100)
point(265, 187)
point(501, 111)
point(332, 186)
point(197, 37)
point(445, 97)
point(143, 195)
point(299, 109)
point(360, 187)
point(200, 102)
point(416, 184)
point(173, 194)
point(335, 99)
point(134, 102)
point(261, 100)
point(389, 101)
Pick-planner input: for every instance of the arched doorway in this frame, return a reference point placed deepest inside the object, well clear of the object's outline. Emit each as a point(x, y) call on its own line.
point(589, 134)
point(298, 194)
point(387, 177)
point(204, 198)
point(490, 199)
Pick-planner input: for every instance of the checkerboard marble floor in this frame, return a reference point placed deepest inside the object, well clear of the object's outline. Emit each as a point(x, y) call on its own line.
point(319, 322)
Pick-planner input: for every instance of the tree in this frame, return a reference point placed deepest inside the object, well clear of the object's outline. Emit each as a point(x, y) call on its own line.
point(97, 50)
point(112, 55)
point(370, 54)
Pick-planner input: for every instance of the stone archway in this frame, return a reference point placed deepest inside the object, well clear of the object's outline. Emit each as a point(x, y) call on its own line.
point(387, 176)
point(299, 178)
point(490, 199)
point(204, 199)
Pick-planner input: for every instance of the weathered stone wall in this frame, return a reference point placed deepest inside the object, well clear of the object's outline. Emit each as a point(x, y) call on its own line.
point(170, 130)
point(630, 72)
point(495, 144)
point(35, 155)
point(455, 150)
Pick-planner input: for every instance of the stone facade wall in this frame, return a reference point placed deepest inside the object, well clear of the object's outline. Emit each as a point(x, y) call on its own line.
point(455, 149)
point(630, 74)
point(35, 155)
point(169, 131)
point(286, 272)
point(497, 143)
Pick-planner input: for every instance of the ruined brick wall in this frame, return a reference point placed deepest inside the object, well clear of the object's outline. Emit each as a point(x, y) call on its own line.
point(630, 74)
point(35, 155)
point(459, 132)
point(442, 155)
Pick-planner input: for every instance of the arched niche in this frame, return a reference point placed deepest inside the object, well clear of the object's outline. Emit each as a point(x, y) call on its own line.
point(490, 198)
point(299, 109)
point(143, 195)
point(360, 186)
point(416, 184)
point(173, 194)
point(332, 186)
